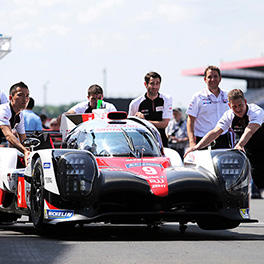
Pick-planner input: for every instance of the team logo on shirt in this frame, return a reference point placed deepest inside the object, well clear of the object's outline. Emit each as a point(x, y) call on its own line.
point(206, 101)
point(159, 108)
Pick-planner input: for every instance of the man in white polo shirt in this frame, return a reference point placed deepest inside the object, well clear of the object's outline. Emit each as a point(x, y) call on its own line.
point(206, 108)
point(246, 120)
point(95, 93)
point(11, 116)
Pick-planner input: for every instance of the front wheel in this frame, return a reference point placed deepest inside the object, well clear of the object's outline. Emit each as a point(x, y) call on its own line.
point(37, 197)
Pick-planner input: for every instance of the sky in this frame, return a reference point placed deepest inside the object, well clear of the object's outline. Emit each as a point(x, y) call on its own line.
point(64, 46)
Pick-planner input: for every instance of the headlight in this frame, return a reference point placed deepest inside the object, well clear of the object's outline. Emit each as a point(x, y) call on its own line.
point(76, 173)
point(234, 169)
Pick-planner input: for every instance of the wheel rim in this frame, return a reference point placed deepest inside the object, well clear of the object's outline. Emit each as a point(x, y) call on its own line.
point(37, 194)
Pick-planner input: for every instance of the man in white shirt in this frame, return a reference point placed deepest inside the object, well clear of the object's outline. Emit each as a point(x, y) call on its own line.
point(11, 117)
point(206, 109)
point(246, 120)
point(95, 93)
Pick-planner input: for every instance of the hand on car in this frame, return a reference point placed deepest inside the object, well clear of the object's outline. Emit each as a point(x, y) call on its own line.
point(140, 115)
point(190, 149)
point(26, 156)
point(237, 146)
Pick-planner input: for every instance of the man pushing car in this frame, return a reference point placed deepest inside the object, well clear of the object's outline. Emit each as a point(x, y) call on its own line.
point(246, 120)
point(11, 117)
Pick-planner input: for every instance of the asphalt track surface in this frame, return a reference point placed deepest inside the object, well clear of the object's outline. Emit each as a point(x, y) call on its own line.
point(136, 244)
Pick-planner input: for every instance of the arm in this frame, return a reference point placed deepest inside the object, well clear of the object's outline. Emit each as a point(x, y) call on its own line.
point(206, 140)
point(14, 141)
point(180, 139)
point(209, 137)
point(70, 112)
point(190, 130)
point(22, 137)
point(160, 124)
point(248, 133)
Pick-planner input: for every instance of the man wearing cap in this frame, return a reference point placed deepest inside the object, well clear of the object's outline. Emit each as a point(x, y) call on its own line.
point(177, 132)
point(206, 108)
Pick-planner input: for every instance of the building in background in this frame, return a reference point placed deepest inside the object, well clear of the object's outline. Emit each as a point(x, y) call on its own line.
point(5, 45)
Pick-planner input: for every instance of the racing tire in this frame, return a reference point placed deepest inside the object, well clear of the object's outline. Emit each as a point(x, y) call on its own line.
point(37, 197)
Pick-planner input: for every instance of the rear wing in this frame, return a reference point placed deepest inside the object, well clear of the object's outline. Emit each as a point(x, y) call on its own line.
point(70, 121)
point(48, 138)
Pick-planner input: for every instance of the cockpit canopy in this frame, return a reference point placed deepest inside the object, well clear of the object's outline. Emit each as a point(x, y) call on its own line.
point(124, 138)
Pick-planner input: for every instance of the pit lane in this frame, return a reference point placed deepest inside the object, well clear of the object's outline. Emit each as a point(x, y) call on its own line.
point(99, 243)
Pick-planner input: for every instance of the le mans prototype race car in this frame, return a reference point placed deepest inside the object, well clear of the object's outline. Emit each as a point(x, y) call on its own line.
point(112, 168)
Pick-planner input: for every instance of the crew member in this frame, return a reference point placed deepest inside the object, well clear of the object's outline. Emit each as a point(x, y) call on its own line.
point(206, 108)
point(95, 93)
point(11, 117)
point(153, 106)
point(246, 120)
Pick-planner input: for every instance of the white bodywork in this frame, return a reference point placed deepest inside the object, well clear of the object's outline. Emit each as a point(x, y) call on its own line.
point(8, 161)
point(200, 158)
point(9, 174)
point(48, 170)
point(174, 156)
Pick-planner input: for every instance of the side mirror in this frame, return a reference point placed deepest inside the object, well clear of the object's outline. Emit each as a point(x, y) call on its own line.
point(31, 143)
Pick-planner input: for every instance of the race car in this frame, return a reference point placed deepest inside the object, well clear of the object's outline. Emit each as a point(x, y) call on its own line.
point(112, 168)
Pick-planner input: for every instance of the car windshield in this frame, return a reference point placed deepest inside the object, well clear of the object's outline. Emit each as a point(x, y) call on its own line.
point(122, 143)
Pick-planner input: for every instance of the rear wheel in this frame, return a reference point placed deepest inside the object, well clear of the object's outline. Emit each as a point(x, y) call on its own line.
point(37, 197)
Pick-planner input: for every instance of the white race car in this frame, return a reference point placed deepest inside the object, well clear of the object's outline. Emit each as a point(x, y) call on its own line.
point(115, 169)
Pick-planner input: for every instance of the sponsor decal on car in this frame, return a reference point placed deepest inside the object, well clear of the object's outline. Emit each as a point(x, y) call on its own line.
point(48, 180)
point(140, 164)
point(46, 165)
point(244, 213)
point(59, 214)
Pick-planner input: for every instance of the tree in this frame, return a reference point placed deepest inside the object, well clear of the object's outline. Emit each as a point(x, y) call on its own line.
point(52, 111)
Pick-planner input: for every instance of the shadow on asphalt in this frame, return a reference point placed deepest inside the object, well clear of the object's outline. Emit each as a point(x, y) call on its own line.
point(133, 233)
